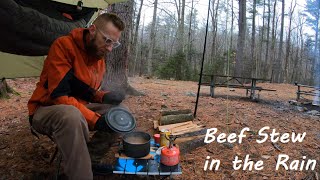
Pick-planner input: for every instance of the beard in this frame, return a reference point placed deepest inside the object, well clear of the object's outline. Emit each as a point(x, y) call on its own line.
point(92, 49)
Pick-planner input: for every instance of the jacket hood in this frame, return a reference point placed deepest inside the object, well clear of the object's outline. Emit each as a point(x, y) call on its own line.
point(78, 35)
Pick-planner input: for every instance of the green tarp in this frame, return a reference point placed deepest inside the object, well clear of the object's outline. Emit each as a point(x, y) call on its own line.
point(12, 66)
point(92, 3)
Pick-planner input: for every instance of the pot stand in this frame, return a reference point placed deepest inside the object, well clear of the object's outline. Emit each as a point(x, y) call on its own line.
point(148, 165)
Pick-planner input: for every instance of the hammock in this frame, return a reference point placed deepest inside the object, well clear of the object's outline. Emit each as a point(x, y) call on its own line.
point(30, 26)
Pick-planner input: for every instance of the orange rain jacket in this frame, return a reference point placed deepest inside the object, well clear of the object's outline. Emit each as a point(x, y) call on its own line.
point(69, 76)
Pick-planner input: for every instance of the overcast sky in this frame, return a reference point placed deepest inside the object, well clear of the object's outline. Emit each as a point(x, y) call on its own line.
point(202, 7)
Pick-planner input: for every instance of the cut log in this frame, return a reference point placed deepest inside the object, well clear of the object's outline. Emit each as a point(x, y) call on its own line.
point(185, 139)
point(171, 119)
point(175, 112)
point(194, 133)
point(170, 126)
point(188, 144)
point(189, 130)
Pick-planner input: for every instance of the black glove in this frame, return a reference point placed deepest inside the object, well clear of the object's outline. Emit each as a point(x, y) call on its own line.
point(113, 97)
point(101, 124)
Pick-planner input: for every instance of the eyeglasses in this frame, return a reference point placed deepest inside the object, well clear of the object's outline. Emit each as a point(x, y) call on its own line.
point(109, 41)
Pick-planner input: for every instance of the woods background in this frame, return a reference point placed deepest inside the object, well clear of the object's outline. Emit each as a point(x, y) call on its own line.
point(272, 39)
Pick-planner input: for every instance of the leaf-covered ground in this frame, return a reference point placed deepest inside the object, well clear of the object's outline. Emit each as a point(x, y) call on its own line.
point(22, 156)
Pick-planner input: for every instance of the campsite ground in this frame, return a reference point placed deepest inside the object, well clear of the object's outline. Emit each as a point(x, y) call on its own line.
point(22, 156)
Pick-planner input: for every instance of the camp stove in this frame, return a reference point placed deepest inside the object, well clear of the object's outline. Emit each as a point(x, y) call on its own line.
point(170, 155)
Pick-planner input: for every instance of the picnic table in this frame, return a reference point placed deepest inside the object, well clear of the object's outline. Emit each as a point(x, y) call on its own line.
point(236, 82)
point(307, 90)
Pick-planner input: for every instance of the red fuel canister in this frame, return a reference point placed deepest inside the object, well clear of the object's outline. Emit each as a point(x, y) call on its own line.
point(170, 155)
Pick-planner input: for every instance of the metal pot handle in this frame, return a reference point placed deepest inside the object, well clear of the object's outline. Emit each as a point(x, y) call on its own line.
point(171, 139)
point(121, 149)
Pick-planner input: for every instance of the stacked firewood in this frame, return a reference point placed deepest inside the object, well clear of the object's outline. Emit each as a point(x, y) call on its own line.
point(180, 123)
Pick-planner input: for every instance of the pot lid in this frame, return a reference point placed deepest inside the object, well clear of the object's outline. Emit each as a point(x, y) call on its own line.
point(120, 120)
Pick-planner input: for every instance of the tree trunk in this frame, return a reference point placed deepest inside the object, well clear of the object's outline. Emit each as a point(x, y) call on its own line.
point(273, 40)
point(253, 41)
point(241, 39)
point(231, 32)
point(295, 63)
point(180, 39)
point(214, 30)
point(116, 78)
point(298, 76)
point(260, 66)
point(231, 50)
point(265, 70)
point(135, 39)
point(152, 39)
point(142, 57)
point(317, 49)
point(4, 89)
point(189, 42)
point(278, 62)
point(285, 75)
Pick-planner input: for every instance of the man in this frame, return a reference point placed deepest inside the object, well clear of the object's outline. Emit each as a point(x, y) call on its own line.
point(64, 103)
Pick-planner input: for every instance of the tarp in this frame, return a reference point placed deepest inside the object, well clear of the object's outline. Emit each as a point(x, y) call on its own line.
point(92, 3)
point(12, 65)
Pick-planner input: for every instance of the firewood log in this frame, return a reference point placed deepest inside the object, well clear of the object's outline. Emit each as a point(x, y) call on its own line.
point(178, 118)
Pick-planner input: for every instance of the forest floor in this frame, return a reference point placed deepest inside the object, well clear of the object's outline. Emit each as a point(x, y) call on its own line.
point(22, 156)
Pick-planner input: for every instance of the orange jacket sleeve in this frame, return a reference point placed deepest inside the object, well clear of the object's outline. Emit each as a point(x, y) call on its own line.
point(59, 82)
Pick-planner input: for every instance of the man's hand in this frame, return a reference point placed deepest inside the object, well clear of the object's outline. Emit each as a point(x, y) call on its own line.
point(114, 98)
point(101, 124)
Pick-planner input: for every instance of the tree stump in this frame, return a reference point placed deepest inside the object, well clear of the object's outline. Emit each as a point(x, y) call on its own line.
point(5, 89)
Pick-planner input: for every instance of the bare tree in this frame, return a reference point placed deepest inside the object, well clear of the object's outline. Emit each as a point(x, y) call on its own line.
point(253, 40)
point(296, 73)
point(260, 66)
point(214, 16)
point(135, 38)
point(152, 38)
point(117, 61)
point(180, 6)
point(241, 39)
point(142, 58)
point(267, 40)
point(231, 28)
point(285, 73)
point(277, 66)
point(189, 42)
point(273, 39)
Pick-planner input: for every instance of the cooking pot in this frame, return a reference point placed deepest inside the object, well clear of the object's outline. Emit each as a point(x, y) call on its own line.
point(136, 144)
point(120, 120)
